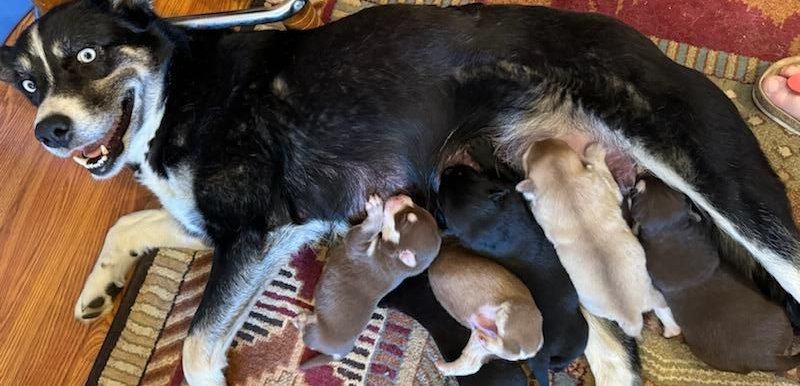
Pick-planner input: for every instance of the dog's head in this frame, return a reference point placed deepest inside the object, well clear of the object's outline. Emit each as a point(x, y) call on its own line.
point(95, 69)
point(656, 208)
point(410, 233)
point(481, 210)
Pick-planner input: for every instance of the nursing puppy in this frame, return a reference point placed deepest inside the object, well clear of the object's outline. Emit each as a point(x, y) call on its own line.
point(489, 300)
point(490, 218)
point(363, 269)
point(726, 321)
point(578, 206)
point(415, 298)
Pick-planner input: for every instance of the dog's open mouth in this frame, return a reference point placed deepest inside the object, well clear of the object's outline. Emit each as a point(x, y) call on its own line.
point(99, 157)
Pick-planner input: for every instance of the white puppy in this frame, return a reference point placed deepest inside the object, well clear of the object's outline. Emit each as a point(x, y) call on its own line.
point(578, 206)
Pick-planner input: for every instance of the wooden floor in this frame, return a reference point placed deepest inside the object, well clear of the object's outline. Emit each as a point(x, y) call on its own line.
point(53, 218)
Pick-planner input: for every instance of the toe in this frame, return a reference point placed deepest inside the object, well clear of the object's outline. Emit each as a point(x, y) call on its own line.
point(790, 70)
point(777, 91)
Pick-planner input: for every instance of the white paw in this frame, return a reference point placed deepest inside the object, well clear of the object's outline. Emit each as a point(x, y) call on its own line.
point(671, 331)
point(301, 320)
point(200, 366)
point(97, 296)
point(374, 207)
point(106, 279)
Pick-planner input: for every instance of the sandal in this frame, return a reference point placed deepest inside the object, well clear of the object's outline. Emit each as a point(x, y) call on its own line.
point(766, 106)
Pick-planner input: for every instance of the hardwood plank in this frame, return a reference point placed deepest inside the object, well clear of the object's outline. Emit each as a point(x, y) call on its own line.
point(53, 218)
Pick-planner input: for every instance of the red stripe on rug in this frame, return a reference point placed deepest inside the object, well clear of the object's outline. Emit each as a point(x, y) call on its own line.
point(391, 349)
point(281, 310)
point(294, 301)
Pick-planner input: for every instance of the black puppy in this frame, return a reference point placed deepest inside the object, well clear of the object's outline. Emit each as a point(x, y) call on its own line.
point(491, 218)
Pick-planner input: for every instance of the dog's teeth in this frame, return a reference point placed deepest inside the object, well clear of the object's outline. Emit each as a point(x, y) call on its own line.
point(103, 150)
point(81, 161)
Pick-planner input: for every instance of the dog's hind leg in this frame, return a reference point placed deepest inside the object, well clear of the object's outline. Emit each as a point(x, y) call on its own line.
point(241, 269)
point(132, 235)
point(613, 357)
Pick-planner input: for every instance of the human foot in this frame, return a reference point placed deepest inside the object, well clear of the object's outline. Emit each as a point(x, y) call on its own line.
point(777, 89)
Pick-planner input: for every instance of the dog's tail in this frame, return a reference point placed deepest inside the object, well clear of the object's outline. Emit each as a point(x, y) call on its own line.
point(613, 356)
point(317, 360)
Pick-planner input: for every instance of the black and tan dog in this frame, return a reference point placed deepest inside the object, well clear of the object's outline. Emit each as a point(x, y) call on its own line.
point(257, 143)
point(726, 321)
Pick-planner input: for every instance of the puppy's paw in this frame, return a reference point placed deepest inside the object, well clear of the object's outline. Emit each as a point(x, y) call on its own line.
point(303, 319)
point(374, 207)
point(671, 331)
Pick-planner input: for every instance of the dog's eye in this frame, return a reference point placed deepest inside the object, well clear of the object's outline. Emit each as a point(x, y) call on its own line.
point(87, 55)
point(29, 86)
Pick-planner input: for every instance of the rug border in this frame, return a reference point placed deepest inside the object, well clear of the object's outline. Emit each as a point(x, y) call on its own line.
point(121, 317)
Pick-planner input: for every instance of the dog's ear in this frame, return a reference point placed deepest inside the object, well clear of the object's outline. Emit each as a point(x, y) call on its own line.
point(6, 58)
point(408, 258)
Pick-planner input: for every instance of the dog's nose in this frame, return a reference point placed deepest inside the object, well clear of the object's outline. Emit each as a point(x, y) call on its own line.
point(54, 131)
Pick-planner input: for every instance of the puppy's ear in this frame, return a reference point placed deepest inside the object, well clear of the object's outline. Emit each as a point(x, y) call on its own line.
point(408, 258)
point(640, 186)
point(595, 152)
point(485, 322)
point(526, 186)
point(6, 59)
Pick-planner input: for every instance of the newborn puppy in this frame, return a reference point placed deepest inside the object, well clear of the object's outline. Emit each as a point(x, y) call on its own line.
point(363, 269)
point(489, 300)
point(726, 321)
point(578, 206)
point(490, 218)
point(415, 298)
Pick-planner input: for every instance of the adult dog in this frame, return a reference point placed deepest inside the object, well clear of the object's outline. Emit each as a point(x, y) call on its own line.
point(257, 143)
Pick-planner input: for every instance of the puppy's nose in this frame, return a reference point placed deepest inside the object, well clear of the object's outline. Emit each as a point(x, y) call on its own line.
point(452, 173)
point(54, 131)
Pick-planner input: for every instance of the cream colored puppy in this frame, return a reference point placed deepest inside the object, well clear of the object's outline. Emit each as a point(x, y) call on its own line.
point(577, 204)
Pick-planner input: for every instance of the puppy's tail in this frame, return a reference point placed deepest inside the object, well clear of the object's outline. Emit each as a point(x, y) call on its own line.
point(316, 361)
point(612, 355)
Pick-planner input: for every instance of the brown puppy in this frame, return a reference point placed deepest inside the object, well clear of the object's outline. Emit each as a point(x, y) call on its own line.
point(363, 269)
point(578, 207)
point(726, 321)
point(490, 301)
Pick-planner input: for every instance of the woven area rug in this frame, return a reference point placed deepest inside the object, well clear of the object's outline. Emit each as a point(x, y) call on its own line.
point(144, 345)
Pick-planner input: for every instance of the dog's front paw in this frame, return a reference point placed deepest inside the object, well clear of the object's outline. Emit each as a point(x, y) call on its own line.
point(97, 297)
point(105, 282)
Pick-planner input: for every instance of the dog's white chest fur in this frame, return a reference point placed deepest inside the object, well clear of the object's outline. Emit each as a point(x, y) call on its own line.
point(176, 194)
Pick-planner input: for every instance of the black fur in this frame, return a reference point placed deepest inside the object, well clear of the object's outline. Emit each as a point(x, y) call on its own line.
point(491, 218)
